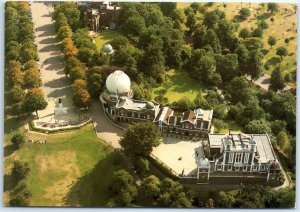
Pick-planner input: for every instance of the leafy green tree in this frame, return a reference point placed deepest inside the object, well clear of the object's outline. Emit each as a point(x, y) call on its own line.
point(196, 6)
point(140, 92)
point(212, 40)
point(71, 63)
point(139, 139)
point(168, 8)
point(263, 24)
point(219, 124)
point(271, 41)
point(64, 32)
point(258, 127)
point(272, 7)
point(224, 200)
point(226, 34)
point(18, 139)
point(71, 12)
point(244, 13)
point(239, 90)
point(277, 80)
point(86, 55)
point(123, 188)
point(243, 57)
point(20, 170)
point(30, 64)
point(281, 51)
point(28, 53)
point(17, 94)
point(286, 41)
point(191, 22)
point(151, 187)
point(210, 19)
point(12, 51)
point(60, 21)
point(77, 73)
point(245, 33)
point(184, 104)
point(95, 85)
point(133, 27)
point(34, 101)
point(14, 73)
point(200, 101)
point(253, 43)
point(227, 65)
point(198, 37)
point(282, 139)
point(32, 78)
point(257, 32)
point(20, 196)
point(255, 64)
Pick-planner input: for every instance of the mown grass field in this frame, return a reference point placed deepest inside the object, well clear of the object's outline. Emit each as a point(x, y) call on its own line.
point(284, 26)
point(72, 169)
point(179, 84)
point(104, 37)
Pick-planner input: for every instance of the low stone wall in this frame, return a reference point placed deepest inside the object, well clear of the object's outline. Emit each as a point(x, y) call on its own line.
point(33, 127)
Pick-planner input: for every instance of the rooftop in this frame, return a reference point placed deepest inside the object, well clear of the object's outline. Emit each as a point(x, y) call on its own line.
point(131, 104)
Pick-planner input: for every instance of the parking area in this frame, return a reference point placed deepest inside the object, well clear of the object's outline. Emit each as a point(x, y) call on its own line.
point(180, 155)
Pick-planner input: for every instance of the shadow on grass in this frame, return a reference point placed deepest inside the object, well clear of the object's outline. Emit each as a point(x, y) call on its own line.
point(274, 60)
point(9, 183)
point(12, 124)
point(9, 149)
point(92, 189)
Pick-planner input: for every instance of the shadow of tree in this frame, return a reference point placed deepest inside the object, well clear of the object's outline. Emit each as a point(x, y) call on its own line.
point(9, 183)
point(47, 33)
point(49, 48)
point(45, 27)
point(12, 124)
point(92, 189)
point(59, 92)
point(48, 41)
point(57, 83)
point(9, 149)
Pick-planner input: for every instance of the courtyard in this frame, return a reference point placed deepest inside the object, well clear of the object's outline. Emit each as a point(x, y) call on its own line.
point(180, 155)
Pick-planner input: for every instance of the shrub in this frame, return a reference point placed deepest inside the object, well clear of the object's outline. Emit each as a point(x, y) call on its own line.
point(18, 139)
point(19, 170)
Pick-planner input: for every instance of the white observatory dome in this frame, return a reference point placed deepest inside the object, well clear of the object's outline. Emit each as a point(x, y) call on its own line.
point(118, 82)
point(107, 49)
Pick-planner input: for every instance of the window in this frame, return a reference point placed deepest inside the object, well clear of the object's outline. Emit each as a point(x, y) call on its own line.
point(238, 157)
point(133, 114)
point(231, 156)
point(246, 157)
point(219, 167)
point(245, 168)
point(237, 169)
point(148, 116)
point(228, 147)
point(229, 168)
point(262, 168)
point(254, 168)
point(122, 113)
point(252, 147)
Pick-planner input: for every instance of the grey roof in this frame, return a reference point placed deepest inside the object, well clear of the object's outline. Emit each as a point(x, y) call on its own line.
point(264, 148)
point(130, 104)
point(215, 140)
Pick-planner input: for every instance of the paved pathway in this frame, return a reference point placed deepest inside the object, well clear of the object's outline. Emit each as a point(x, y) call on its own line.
point(264, 82)
point(55, 83)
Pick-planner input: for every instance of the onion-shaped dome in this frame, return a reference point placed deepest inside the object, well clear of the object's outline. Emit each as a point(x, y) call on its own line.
point(118, 83)
point(149, 105)
point(107, 49)
point(204, 163)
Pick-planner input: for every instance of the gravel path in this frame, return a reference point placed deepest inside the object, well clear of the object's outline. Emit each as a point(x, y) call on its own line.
point(55, 83)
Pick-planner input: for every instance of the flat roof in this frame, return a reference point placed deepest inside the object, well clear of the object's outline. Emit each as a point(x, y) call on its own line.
point(215, 140)
point(264, 148)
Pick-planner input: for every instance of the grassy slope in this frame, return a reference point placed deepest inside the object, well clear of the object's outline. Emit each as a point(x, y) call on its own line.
point(281, 28)
point(181, 84)
point(105, 37)
point(73, 168)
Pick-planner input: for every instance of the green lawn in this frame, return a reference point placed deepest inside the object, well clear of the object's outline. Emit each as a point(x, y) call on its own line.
point(179, 84)
point(72, 169)
point(234, 127)
point(104, 37)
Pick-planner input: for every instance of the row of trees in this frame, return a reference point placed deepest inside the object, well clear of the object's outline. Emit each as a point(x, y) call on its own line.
point(75, 49)
point(22, 76)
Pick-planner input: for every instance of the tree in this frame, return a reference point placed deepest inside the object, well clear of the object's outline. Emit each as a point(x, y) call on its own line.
point(191, 22)
point(255, 64)
point(71, 12)
point(18, 139)
point(219, 124)
point(253, 43)
point(271, 41)
point(28, 53)
point(212, 40)
point(200, 101)
point(20, 195)
point(30, 64)
point(77, 72)
point(224, 200)
point(141, 165)
point(227, 66)
point(282, 139)
point(272, 7)
point(17, 94)
point(123, 188)
point(243, 57)
point(245, 33)
point(239, 90)
point(196, 6)
point(32, 78)
point(277, 80)
point(12, 51)
point(258, 127)
point(81, 97)
point(139, 139)
point(60, 21)
point(168, 8)
point(64, 32)
point(286, 41)
point(95, 85)
point(257, 32)
point(14, 73)
point(263, 24)
point(184, 104)
point(34, 101)
point(277, 126)
point(69, 49)
point(198, 37)
point(20, 170)
point(71, 63)
point(151, 187)
point(244, 13)
point(133, 27)
point(281, 51)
